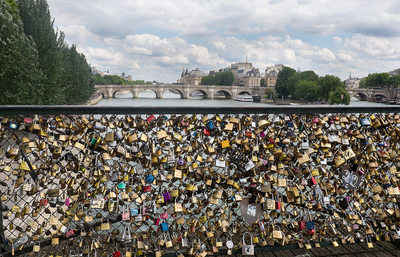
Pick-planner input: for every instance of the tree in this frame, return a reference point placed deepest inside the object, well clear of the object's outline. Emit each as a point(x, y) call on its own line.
point(307, 90)
point(394, 81)
point(77, 75)
point(295, 78)
point(21, 80)
point(38, 24)
point(327, 84)
point(375, 80)
point(269, 93)
point(339, 96)
point(281, 86)
point(221, 78)
point(262, 83)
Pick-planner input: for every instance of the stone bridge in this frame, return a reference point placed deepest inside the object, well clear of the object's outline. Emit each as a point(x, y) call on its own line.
point(209, 92)
point(365, 94)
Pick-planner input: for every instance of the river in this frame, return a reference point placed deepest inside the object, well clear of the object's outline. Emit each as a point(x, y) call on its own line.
point(148, 98)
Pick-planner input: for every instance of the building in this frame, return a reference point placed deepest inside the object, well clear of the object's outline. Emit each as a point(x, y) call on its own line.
point(352, 83)
point(101, 73)
point(395, 72)
point(271, 75)
point(245, 74)
point(126, 77)
point(191, 78)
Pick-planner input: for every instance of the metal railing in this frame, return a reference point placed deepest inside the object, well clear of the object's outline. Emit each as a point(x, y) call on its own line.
point(82, 179)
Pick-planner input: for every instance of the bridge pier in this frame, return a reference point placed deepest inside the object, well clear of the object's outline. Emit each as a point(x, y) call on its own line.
point(135, 93)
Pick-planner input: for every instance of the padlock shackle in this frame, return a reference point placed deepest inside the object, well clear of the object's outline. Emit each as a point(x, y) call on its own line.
point(251, 238)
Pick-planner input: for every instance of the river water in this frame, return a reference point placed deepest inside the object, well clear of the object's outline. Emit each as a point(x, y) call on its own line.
point(148, 99)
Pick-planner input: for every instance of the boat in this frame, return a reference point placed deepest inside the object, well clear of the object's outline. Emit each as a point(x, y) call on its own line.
point(197, 94)
point(256, 98)
point(244, 98)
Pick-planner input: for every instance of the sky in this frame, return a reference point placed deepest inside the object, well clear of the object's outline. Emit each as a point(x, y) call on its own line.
point(155, 40)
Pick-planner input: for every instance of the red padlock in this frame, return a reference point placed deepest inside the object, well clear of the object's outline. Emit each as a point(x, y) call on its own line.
point(43, 202)
point(117, 254)
point(206, 132)
point(69, 233)
point(313, 181)
point(302, 224)
point(150, 118)
point(311, 232)
point(278, 204)
point(157, 222)
point(147, 188)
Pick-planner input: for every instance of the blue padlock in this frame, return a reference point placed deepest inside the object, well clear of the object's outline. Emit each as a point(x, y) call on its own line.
point(93, 141)
point(210, 125)
point(53, 124)
point(121, 185)
point(310, 225)
point(13, 125)
point(164, 226)
point(134, 212)
point(149, 179)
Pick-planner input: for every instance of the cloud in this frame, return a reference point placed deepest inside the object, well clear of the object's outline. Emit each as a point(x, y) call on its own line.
point(337, 40)
point(377, 47)
point(156, 39)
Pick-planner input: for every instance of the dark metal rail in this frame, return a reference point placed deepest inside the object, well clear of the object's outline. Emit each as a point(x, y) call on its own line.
point(83, 109)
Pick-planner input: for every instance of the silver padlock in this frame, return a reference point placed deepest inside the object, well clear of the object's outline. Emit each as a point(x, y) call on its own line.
point(247, 249)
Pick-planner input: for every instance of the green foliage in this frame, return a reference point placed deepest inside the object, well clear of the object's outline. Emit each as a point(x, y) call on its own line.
point(307, 90)
point(375, 80)
point(13, 8)
point(221, 78)
point(38, 24)
point(394, 81)
point(117, 80)
point(37, 66)
point(339, 96)
point(77, 76)
point(281, 86)
point(21, 80)
point(269, 93)
point(327, 84)
point(262, 83)
point(309, 87)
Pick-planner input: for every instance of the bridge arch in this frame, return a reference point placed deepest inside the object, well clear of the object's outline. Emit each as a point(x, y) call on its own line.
point(195, 90)
point(362, 96)
point(244, 92)
point(173, 90)
point(228, 95)
point(378, 96)
point(114, 94)
point(148, 89)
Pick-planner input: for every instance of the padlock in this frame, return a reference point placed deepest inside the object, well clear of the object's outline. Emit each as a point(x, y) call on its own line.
point(167, 196)
point(164, 226)
point(168, 241)
point(147, 188)
point(247, 249)
point(125, 214)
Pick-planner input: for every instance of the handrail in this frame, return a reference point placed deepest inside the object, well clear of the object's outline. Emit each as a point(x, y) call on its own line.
point(84, 109)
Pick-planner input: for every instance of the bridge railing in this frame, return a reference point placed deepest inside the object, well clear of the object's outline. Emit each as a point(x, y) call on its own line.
point(84, 180)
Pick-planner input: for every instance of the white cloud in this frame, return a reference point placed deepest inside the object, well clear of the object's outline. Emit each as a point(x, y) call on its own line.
point(378, 47)
point(337, 40)
point(155, 39)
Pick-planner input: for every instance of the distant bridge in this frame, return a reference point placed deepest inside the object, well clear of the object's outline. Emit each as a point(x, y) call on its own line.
point(209, 92)
point(365, 94)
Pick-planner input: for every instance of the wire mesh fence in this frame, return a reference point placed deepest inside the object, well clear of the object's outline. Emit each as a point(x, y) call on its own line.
point(196, 184)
